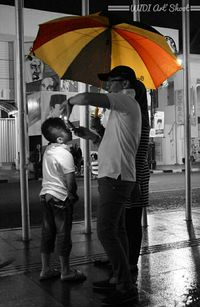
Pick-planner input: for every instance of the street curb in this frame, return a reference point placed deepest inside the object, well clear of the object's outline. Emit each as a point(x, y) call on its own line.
point(193, 170)
point(16, 180)
point(173, 171)
point(3, 180)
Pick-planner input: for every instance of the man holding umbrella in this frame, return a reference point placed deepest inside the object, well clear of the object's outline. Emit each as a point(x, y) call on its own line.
point(116, 174)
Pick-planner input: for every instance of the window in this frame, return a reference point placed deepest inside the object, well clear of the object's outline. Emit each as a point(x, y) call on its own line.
point(154, 98)
point(6, 70)
point(170, 93)
point(198, 94)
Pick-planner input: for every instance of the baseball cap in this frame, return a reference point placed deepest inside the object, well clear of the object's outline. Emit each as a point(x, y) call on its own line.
point(122, 71)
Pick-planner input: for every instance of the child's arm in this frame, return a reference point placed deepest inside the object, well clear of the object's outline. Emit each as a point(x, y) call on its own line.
point(71, 186)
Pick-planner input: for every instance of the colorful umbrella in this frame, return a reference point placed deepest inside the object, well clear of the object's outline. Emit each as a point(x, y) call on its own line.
point(77, 48)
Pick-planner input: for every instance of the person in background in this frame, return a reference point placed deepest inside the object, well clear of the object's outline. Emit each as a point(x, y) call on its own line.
point(58, 195)
point(49, 84)
point(116, 174)
point(37, 162)
point(77, 155)
point(94, 165)
point(140, 195)
point(55, 103)
point(33, 69)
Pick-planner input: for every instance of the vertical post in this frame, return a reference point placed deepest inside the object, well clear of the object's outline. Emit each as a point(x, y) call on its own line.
point(16, 142)
point(136, 17)
point(20, 93)
point(175, 134)
point(86, 151)
point(136, 11)
point(186, 87)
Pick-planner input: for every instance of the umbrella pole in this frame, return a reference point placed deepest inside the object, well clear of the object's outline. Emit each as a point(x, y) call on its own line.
point(86, 151)
point(20, 93)
point(186, 87)
point(136, 17)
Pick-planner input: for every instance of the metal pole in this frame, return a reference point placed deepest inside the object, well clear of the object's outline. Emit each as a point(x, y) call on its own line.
point(86, 152)
point(20, 93)
point(186, 88)
point(175, 134)
point(136, 11)
point(136, 17)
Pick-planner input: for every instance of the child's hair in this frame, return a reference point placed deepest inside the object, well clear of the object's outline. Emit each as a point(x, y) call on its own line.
point(48, 127)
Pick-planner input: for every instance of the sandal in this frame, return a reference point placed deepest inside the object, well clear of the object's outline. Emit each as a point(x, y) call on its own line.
point(49, 275)
point(74, 276)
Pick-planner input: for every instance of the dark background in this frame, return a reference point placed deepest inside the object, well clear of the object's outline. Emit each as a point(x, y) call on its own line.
point(162, 19)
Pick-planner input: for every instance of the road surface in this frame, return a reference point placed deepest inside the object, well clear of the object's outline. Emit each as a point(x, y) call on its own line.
point(167, 192)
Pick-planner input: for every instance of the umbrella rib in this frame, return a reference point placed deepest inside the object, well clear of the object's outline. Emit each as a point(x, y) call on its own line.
point(87, 35)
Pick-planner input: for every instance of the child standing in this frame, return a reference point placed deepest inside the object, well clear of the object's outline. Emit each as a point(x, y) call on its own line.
point(58, 195)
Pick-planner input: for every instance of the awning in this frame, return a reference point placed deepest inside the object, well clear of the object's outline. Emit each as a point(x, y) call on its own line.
point(8, 107)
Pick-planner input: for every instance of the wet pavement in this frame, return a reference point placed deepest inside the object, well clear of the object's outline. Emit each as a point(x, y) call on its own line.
point(169, 266)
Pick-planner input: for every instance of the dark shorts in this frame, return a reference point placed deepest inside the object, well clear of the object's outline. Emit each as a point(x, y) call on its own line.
point(56, 226)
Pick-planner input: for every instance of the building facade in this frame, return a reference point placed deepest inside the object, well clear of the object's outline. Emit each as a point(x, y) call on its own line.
point(170, 148)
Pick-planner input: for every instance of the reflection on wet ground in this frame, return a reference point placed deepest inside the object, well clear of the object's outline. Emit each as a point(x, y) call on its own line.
point(169, 266)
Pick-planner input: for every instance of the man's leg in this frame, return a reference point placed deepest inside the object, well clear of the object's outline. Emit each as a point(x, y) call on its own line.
point(110, 216)
point(45, 259)
point(123, 234)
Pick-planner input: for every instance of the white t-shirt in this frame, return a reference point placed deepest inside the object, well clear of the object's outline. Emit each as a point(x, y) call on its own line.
point(57, 161)
point(121, 139)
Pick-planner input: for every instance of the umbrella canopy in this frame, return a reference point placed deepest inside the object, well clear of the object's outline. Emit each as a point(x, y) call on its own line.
point(77, 48)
